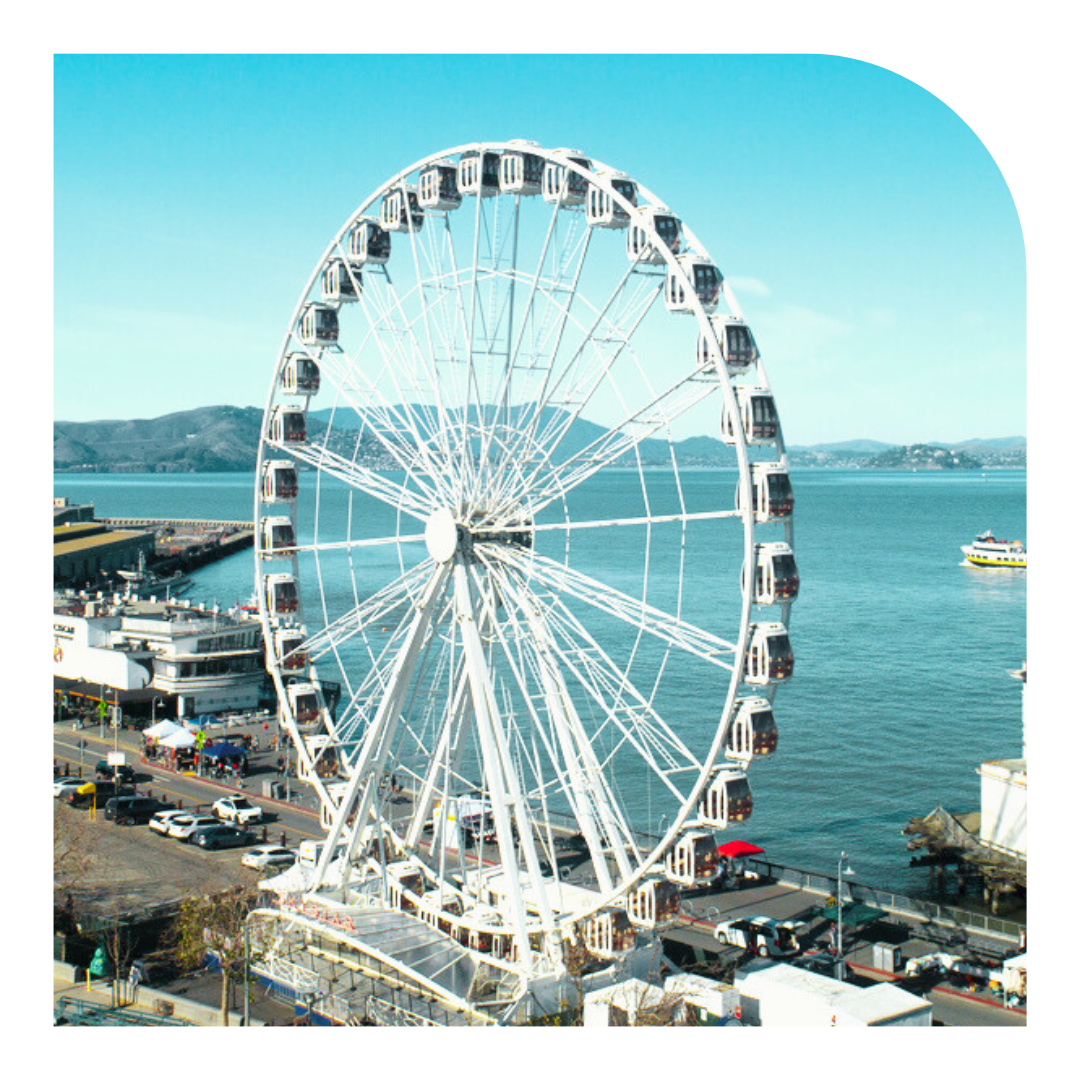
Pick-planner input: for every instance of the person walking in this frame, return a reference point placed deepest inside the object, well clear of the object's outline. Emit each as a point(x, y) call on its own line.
point(134, 978)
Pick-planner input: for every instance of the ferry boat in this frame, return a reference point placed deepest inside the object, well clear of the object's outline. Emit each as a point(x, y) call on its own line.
point(146, 580)
point(987, 550)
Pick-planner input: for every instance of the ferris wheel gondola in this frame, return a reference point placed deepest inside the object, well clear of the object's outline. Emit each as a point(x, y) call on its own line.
point(512, 635)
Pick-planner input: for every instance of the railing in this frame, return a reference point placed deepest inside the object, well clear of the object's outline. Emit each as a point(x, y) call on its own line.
point(894, 903)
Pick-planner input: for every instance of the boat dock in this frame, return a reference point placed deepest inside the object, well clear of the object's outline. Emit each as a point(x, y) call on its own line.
point(188, 543)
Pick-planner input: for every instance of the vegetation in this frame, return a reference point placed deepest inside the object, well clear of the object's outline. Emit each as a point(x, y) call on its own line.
point(213, 923)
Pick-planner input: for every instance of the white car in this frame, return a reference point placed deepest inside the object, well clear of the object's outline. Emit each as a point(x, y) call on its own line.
point(183, 825)
point(237, 809)
point(161, 821)
point(268, 856)
point(761, 935)
point(61, 784)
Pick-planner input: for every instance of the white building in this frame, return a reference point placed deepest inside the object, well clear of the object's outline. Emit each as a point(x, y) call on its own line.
point(208, 661)
point(1003, 817)
point(780, 995)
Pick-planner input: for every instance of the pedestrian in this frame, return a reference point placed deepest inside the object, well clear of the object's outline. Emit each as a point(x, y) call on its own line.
point(134, 977)
point(281, 766)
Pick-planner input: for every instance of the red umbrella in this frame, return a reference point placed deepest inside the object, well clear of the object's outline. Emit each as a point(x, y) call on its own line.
point(735, 849)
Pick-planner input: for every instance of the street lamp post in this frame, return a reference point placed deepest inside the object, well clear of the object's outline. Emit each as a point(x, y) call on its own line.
point(841, 870)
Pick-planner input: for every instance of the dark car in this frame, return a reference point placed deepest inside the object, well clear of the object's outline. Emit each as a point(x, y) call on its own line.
point(133, 809)
point(125, 773)
point(212, 837)
point(101, 790)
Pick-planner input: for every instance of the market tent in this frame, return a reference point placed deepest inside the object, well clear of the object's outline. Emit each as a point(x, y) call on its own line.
point(162, 729)
point(223, 750)
point(854, 914)
point(736, 849)
point(178, 740)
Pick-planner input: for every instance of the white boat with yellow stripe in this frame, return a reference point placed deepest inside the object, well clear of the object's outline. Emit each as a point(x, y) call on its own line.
point(987, 550)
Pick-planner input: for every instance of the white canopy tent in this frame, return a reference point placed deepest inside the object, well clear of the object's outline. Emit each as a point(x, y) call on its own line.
point(179, 739)
point(162, 729)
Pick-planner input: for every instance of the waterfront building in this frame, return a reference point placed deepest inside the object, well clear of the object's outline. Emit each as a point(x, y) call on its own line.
point(195, 660)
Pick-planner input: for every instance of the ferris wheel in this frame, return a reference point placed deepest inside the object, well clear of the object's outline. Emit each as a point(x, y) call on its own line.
point(524, 551)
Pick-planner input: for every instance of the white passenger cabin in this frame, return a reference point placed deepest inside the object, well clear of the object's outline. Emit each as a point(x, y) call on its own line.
point(776, 580)
point(324, 757)
point(652, 229)
point(282, 597)
point(318, 325)
point(602, 209)
point(771, 496)
point(400, 210)
point(288, 647)
point(438, 186)
point(478, 173)
point(693, 859)
point(705, 280)
point(300, 375)
point(279, 482)
point(727, 799)
point(609, 933)
point(753, 732)
point(342, 283)
point(757, 415)
point(369, 242)
point(737, 347)
point(305, 703)
point(653, 904)
point(287, 424)
point(277, 535)
point(769, 658)
point(521, 172)
point(562, 185)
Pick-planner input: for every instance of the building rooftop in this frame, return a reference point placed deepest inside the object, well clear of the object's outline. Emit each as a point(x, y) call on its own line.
point(99, 540)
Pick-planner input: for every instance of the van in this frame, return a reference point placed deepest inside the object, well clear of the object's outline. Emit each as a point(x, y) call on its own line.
point(133, 809)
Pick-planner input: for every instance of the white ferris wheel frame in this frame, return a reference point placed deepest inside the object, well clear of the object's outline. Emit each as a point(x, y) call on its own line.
point(467, 609)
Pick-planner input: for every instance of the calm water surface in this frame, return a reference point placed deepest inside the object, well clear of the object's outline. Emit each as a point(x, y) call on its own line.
point(900, 687)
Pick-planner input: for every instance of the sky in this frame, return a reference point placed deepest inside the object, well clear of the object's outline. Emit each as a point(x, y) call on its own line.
point(869, 235)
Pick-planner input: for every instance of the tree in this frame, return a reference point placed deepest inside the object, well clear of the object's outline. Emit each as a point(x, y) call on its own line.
point(214, 923)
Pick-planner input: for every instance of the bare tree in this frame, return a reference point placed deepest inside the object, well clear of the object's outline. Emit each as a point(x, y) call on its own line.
point(214, 923)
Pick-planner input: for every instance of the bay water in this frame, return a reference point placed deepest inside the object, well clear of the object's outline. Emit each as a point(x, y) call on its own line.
point(900, 687)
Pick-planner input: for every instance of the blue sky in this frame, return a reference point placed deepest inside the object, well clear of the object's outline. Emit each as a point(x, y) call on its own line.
point(871, 238)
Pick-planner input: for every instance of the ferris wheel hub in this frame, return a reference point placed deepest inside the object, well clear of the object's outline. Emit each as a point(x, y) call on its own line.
point(441, 535)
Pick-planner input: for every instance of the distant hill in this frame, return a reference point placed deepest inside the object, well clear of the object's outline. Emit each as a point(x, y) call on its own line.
point(923, 456)
point(224, 438)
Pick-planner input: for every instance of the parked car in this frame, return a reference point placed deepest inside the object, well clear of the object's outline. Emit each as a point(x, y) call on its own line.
point(101, 790)
point(761, 935)
point(269, 857)
point(132, 809)
point(183, 825)
point(106, 771)
point(212, 837)
point(160, 821)
point(238, 809)
point(63, 784)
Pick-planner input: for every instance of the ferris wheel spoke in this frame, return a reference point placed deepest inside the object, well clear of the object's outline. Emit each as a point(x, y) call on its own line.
point(629, 710)
point(360, 477)
point(649, 520)
point(608, 448)
point(636, 613)
point(499, 774)
point(368, 767)
point(406, 447)
point(611, 689)
point(562, 400)
point(571, 257)
point(370, 611)
point(350, 545)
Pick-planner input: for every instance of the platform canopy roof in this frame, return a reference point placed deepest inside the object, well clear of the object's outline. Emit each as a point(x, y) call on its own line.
point(854, 914)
